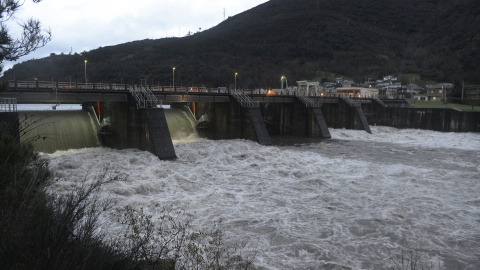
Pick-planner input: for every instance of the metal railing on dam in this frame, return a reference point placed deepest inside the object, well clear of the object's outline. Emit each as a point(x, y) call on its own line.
point(8, 104)
point(47, 85)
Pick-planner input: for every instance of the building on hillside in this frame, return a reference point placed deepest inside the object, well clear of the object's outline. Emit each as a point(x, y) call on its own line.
point(357, 92)
point(437, 92)
point(389, 78)
point(389, 90)
point(420, 97)
point(351, 92)
point(472, 91)
point(369, 82)
point(330, 87)
point(368, 92)
point(344, 83)
point(413, 90)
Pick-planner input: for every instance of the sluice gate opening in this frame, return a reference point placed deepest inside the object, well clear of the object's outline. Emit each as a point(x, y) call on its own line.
point(50, 131)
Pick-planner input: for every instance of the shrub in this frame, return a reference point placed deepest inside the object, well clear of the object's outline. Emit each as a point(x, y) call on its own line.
point(409, 257)
point(170, 241)
point(39, 230)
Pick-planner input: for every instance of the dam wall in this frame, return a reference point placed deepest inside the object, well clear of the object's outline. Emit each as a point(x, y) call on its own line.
point(10, 124)
point(122, 124)
point(229, 120)
point(341, 115)
point(437, 119)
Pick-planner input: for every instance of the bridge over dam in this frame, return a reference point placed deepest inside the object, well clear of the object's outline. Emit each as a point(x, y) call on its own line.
point(136, 116)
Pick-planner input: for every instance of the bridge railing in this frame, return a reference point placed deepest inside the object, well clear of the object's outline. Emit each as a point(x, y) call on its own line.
point(8, 104)
point(351, 102)
point(149, 96)
point(244, 99)
point(309, 103)
point(65, 85)
point(24, 84)
point(138, 97)
point(167, 89)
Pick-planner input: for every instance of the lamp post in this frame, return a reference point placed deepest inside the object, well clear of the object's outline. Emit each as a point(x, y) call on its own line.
point(236, 81)
point(173, 78)
point(85, 71)
point(444, 93)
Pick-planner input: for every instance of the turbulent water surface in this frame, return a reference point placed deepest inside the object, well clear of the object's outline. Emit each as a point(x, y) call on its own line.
point(345, 203)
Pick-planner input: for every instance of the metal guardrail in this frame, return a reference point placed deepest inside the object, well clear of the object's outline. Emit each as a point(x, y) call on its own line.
point(310, 103)
point(114, 87)
point(165, 89)
point(150, 99)
point(65, 85)
point(144, 96)
point(351, 102)
point(8, 105)
point(137, 96)
point(244, 100)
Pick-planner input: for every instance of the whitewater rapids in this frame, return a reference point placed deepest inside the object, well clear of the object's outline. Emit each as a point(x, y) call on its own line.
point(342, 203)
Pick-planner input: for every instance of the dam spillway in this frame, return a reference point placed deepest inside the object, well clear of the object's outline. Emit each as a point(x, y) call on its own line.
point(49, 131)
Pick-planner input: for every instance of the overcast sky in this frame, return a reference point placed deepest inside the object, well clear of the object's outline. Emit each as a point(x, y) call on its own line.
point(83, 25)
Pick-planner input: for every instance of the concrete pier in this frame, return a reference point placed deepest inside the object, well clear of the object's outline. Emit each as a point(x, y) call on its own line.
point(159, 134)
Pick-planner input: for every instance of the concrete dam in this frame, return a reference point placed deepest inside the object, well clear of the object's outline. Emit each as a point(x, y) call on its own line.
point(136, 117)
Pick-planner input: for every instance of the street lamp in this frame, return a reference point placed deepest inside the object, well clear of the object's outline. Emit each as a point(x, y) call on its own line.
point(444, 94)
point(173, 78)
point(236, 81)
point(85, 71)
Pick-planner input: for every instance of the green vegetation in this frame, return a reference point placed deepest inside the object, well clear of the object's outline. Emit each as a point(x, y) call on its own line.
point(410, 78)
point(440, 104)
point(300, 39)
point(40, 230)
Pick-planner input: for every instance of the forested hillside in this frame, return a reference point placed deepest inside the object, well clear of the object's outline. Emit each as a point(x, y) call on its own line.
point(433, 40)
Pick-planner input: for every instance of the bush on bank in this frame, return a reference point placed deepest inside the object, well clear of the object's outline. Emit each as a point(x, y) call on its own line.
point(43, 231)
point(39, 232)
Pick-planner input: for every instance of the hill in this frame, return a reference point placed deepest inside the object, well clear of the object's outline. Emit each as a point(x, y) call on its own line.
point(302, 39)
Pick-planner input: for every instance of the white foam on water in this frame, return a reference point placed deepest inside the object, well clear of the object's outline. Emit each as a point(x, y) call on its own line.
point(412, 137)
point(312, 206)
